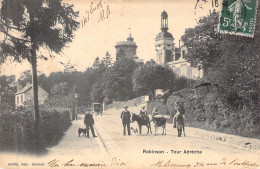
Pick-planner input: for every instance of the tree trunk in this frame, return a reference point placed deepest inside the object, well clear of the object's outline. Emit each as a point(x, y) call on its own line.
point(35, 100)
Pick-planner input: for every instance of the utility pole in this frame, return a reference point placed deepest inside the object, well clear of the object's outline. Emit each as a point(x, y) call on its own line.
point(76, 99)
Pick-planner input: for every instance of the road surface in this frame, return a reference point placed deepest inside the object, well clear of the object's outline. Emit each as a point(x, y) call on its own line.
point(111, 149)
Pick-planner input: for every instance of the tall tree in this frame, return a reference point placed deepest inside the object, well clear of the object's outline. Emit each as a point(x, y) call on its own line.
point(203, 42)
point(152, 76)
point(107, 60)
point(28, 26)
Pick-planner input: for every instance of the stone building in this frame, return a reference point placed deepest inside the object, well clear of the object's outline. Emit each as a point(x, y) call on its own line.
point(127, 49)
point(168, 54)
point(25, 94)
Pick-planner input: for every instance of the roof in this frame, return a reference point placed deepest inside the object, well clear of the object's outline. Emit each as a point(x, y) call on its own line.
point(24, 89)
point(164, 34)
point(164, 15)
point(130, 38)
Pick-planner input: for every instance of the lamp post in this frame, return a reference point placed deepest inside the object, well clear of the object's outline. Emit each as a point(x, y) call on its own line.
point(76, 109)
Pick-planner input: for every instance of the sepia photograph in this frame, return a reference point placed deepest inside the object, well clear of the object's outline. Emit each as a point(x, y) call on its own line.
point(131, 84)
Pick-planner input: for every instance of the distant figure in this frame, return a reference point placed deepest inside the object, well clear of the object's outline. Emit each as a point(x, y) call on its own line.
point(143, 112)
point(155, 112)
point(179, 111)
point(125, 116)
point(89, 122)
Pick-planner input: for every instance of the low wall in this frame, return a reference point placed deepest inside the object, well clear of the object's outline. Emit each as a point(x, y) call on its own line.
point(136, 104)
point(130, 103)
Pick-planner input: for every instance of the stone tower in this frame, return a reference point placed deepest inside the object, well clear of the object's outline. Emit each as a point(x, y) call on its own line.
point(126, 48)
point(164, 44)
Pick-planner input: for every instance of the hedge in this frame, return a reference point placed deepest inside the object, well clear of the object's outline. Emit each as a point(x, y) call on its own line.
point(17, 129)
point(209, 108)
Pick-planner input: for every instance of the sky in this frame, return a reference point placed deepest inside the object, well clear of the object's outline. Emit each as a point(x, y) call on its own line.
point(96, 37)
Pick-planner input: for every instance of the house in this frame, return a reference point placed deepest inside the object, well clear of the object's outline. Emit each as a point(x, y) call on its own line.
point(26, 94)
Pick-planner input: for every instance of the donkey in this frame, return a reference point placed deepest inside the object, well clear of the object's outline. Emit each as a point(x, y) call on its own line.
point(159, 122)
point(142, 122)
point(180, 120)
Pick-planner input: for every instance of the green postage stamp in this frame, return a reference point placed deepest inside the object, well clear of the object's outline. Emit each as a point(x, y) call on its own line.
point(238, 17)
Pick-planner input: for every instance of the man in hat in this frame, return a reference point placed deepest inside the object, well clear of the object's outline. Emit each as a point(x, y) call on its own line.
point(125, 116)
point(89, 122)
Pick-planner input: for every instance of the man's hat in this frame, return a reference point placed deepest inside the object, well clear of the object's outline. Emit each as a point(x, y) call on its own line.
point(178, 101)
point(125, 106)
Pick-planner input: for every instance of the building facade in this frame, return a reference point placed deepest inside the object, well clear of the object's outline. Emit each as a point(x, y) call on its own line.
point(168, 54)
point(26, 94)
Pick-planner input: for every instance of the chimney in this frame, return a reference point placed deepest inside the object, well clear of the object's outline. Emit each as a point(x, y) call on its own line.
point(19, 87)
point(28, 84)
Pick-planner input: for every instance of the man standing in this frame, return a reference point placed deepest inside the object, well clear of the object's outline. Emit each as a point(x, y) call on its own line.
point(125, 116)
point(89, 122)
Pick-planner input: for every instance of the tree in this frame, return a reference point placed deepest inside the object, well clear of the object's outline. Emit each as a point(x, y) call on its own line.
point(204, 42)
point(29, 25)
point(7, 88)
point(107, 60)
point(231, 61)
point(96, 93)
point(24, 78)
point(152, 76)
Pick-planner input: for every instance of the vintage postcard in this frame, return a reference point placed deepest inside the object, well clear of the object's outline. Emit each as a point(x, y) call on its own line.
point(129, 84)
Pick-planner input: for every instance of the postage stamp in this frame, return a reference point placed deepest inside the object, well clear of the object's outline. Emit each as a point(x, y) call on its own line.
point(238, 17)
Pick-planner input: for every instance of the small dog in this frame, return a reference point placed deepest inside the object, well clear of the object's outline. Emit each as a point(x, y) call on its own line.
point(81, 130)
point(135, 130)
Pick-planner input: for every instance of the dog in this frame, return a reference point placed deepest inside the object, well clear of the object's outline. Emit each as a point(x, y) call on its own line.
point(134, 130)
point(81, 130)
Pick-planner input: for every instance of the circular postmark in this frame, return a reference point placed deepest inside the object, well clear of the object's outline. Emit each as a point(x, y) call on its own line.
point(204, 8)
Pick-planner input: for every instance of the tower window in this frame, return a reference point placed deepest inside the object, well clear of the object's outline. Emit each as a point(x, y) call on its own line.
point(183, 53)
point(169, 57)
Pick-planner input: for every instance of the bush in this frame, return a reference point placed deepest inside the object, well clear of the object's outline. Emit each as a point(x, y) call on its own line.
point(213, 108)
point(17, 129)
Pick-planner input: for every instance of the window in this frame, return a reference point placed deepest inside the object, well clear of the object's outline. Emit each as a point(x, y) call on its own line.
point(21, 98)
point(183, 53)
point(17, 99)
point(177, 56)
point(169, 57)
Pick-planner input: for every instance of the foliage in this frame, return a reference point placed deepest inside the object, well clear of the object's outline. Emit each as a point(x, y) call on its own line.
point(117, 81)
point(17, 127)
point(30, 26)
point(207, 107)
point(7, 88)
point(40, 23)
point(151, 76)
point(204, 42)
point(230, 61)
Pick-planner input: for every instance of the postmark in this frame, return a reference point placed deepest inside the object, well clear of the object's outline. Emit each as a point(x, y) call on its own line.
point(238, 17)
point(205, 7)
